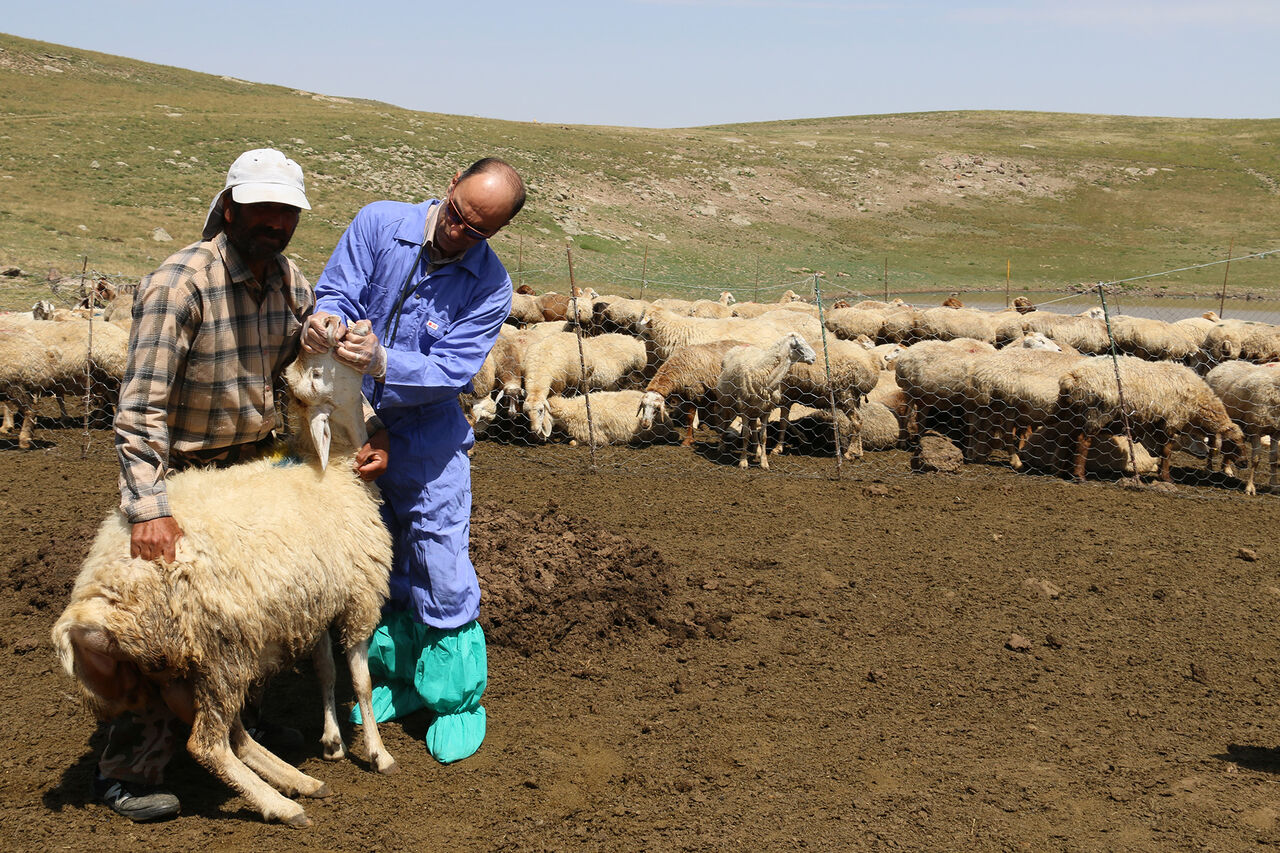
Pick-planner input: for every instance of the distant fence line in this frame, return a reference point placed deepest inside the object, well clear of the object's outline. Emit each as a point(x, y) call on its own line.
point(818, 429)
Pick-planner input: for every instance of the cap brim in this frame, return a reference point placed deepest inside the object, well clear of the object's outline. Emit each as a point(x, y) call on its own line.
point(278, 193)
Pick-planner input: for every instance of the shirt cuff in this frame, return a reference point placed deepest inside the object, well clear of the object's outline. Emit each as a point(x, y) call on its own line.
point(146, 508)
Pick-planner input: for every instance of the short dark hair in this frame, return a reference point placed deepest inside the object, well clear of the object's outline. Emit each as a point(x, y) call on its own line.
point(496, 166)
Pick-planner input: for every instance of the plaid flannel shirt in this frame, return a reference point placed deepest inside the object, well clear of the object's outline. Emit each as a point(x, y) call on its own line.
point(206, 356)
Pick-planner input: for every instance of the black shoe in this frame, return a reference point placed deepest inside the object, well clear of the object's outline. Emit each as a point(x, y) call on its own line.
point(275, 737)
point(135, 800)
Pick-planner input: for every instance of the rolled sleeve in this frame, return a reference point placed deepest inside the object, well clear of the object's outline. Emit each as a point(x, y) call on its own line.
point(163, 316)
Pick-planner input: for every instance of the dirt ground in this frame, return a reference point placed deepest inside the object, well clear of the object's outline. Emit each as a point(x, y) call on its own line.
point(701, 659)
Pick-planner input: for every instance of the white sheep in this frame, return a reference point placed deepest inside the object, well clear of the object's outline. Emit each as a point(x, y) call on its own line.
point(1085, 334)
point(686, 380)
point(1154, 340)
point(851, 323)
point(618, 314)
point(881, 428)
point(613, 419)
point(933, 376)
point(553, 365)
point(80, 349)
point(749, 387)
point(1223, 342)
point(273, 555)
point(1261, 345)
point(1161, 399)
point(846, 374)
point(525, 309)
point(666, 330)
point(1251, 394)
point(946, 324)
point(26, 368)
point(713, 308)
point(1012, 392)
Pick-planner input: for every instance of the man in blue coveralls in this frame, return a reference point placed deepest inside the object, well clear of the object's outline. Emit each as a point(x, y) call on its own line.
point(436, 294)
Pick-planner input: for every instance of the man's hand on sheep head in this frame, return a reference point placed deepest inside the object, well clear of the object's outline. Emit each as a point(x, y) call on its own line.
point(359, 348)
point(315, 331)
point(154, 539)
point(372, 458)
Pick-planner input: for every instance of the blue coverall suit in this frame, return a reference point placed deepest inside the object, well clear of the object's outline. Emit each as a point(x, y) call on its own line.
point(437, 328)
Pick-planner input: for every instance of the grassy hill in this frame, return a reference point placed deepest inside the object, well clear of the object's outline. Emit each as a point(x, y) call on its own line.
point(98, 151)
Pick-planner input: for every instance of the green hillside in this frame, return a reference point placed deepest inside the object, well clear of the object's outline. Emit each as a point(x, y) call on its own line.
point(97, 151)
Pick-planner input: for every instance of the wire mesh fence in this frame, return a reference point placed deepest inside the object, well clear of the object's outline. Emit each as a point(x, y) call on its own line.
point(801, 378)
point(1098, 382)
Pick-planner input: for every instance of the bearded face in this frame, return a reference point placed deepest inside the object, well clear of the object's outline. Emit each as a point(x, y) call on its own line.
point(260, 231)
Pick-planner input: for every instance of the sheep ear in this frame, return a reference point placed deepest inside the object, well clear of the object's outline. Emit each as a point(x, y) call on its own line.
point(320, 436)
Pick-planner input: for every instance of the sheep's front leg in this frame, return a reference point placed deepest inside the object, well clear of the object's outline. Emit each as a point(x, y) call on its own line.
point(1083, 442)
point(28, 413)
point(854, 450)
point(1255, 459)
point(762, 440)
point(275, 771)
point(691, 421)
point(209, 744)
point(331, 738)
point(358, 663)
point(1166, 456)
point(784, 421)
point(1275, 471)
point(746, 442)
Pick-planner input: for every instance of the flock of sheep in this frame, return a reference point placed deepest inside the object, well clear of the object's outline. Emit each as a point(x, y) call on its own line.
point(1058, 393)
point(1041, 386)
point(60, 352)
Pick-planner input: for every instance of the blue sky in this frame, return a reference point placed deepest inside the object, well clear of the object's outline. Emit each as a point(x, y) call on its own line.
point(673, 63)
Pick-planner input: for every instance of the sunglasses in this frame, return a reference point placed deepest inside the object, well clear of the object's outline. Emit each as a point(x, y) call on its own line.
point(455, 216)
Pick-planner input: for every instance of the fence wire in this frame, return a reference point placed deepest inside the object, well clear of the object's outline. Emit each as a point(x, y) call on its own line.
point(657, 377)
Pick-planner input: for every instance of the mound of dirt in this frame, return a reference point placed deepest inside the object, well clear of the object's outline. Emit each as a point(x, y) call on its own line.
point(547, 578)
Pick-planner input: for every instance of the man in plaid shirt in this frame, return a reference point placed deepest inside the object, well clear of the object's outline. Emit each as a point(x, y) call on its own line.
point(213, 329)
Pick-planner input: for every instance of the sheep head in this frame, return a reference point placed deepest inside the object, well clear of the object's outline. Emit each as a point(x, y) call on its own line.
point(328, 393)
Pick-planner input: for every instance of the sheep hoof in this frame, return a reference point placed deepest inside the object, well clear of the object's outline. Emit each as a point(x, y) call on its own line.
point(388, 770)
point(321, 792)
point(334, 751)
point(298, 821)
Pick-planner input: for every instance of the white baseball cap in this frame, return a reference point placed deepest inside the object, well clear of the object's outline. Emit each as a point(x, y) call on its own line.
point(260, 175)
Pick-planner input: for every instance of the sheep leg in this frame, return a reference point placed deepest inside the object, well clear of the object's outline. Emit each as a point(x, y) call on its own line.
point(971, 435)
point(1083, 442)
point(331, 738)
point(784, 421)
point(7, 426)
point(762, 440)
point(746, 442)
point(28, 424)
point(272, 769)
point(854, 450)
point(209, 745)
point(691, 423)
point(1275, 471)
point(1255, 459)
point(358, 663)
point(1021, 435)
point(1166, 456)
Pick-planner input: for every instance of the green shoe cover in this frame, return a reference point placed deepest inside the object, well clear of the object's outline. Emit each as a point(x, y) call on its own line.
point(453, 737)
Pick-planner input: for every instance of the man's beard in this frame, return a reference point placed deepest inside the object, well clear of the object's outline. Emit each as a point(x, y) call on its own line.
point(257, 244)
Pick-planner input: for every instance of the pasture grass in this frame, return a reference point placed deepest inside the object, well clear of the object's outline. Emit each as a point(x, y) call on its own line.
point(98, 151)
